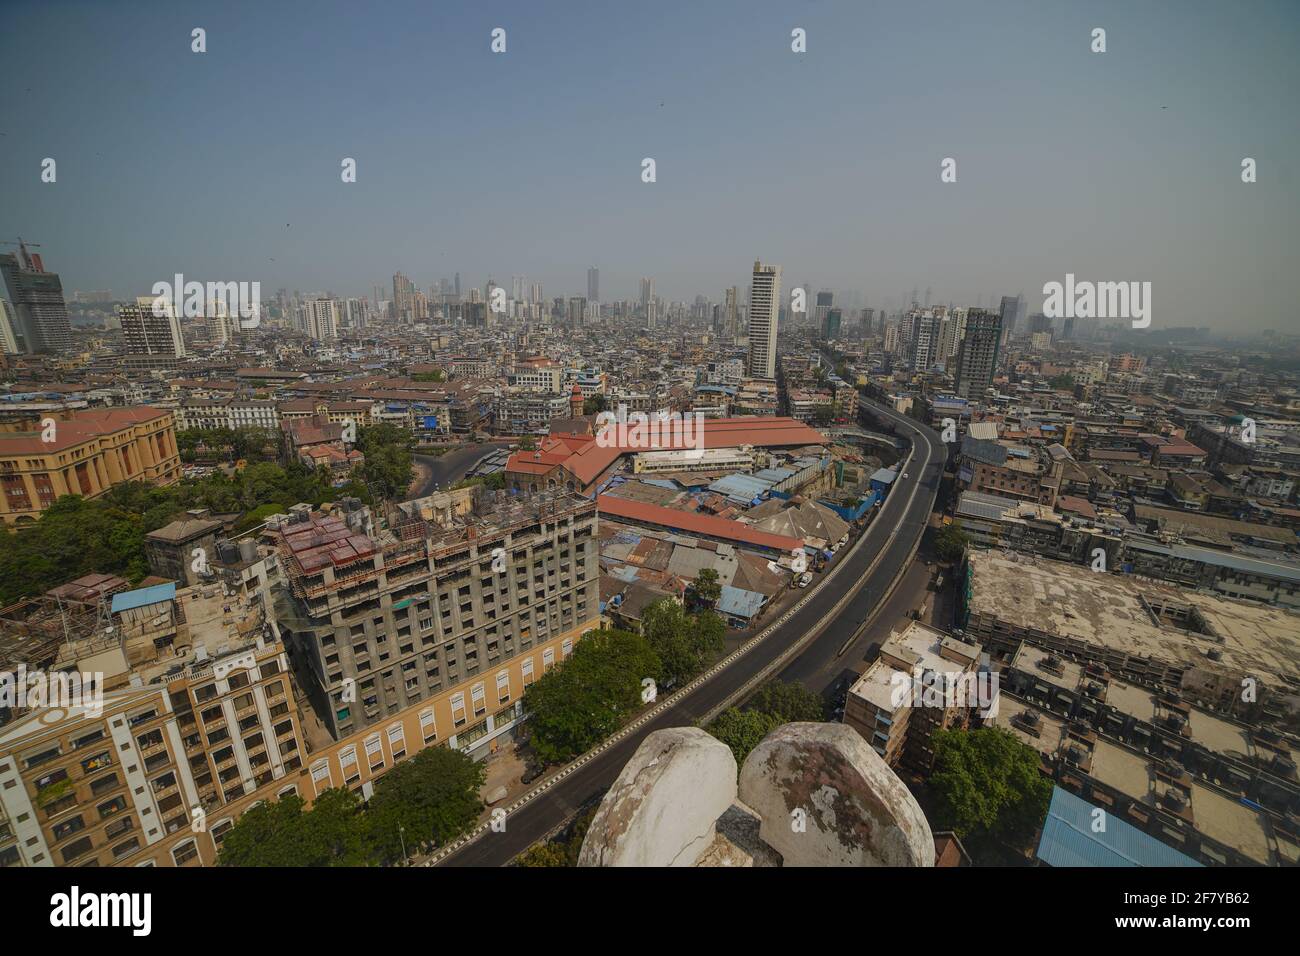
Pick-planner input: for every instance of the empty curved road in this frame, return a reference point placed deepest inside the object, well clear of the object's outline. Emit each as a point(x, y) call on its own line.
point(870, 571)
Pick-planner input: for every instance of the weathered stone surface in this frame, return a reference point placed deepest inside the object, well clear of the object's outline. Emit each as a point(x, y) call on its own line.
point(854, 809)
point(737, 843)
point(662, 808)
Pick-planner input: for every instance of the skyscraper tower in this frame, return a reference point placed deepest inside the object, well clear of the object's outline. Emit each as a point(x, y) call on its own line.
point(732, 312)
point(593, 284)
point(1008, 312)
point(764, 301)
point(977, 355)
point(403, 298)
point(831, 324)
point(40, 313)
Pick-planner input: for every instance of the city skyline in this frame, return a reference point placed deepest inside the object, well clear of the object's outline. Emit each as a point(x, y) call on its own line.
point(1117, 166)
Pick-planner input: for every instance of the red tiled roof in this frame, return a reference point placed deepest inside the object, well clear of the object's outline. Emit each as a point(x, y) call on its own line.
point(586, 458)
point(86, 425)
point(693, 523)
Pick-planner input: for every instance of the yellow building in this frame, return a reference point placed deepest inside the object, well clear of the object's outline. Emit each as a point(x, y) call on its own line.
point(84, 453)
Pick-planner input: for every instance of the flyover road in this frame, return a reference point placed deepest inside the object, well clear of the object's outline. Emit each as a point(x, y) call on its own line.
point(870, 568)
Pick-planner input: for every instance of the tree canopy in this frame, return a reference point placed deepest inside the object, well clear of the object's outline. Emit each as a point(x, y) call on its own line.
point(579, 703)
point(988, 785)
point(774, 704)
point(706, 588)
point(950, 543)
point(685, 643)
point(428, 800)
point(388, 458)
point(76, 536)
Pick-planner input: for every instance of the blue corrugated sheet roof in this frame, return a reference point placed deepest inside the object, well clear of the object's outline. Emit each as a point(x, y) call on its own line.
point(142, 597)
point(1068, 839)
point(738, 602)
point(740, 488)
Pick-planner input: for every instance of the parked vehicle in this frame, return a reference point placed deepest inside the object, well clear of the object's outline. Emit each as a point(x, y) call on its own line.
point(804, 579)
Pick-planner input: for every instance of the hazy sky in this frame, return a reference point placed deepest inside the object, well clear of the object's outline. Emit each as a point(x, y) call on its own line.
point(529, 162)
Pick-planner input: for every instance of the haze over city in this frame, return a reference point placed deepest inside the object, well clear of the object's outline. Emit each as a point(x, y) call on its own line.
point(226, 165)
point(570, 435)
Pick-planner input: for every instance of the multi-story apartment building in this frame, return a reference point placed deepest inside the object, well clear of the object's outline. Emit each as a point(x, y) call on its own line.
point(977, 354)
point(202, 717)
point(519, 411)
point(434, 610)
point(193, 712)
point(923, 681)
point(152, 330)
point(83, 453)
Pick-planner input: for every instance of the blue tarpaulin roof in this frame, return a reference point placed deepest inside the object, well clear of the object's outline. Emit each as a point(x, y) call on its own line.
point(1069, 838)
point(143, 597)
point(737, 602)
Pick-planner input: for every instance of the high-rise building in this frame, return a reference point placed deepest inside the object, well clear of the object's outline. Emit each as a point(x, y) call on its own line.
point(925, 338)
point(764, 301)
point(319, 318)
point(731, 312)
point(977, 355)
point(354, 313)
point(593, 284)
point(1008, 312)
point(468, 669)
point(37, 297)
point(831, 324)
point(577, 312)
point(151, 328)
point(403, 298)
point(824, 301)
point(8, 336)
point(867, 316)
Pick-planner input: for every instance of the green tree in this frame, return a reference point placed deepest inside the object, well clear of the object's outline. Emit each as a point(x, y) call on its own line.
point(950, 543)
point(685, 643)
point(575, 706)
point(706, 588)
point(788, 701)
point(594, 405)
point(388, 458)
point(283, 833)
point(743, 730)
point(988, 785)
point(431, 798)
